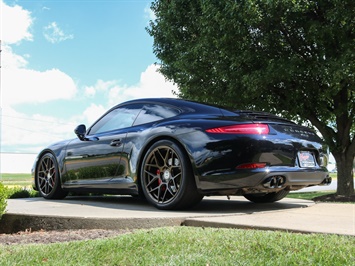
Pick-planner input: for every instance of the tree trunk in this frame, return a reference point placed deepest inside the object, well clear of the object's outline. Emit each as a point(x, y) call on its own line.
point(345, 174)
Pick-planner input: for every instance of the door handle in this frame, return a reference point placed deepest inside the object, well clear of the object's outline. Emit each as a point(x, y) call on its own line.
point(116, 143)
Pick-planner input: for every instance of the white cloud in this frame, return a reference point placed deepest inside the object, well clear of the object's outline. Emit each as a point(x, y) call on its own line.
point(21, 84)
point(149, 13)
point(100, 86)
point(94, 112)
point(104, 85)
point(15, 24)
point(30, 133)
point(90, 92)
point(54, 34)
point(10, 163)
point(18, 83)
point(11, 60)
point(152, 84)
point(30, 86)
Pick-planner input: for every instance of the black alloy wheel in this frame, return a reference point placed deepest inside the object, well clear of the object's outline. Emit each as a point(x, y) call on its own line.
point(267, 197)
point(47, 178)
point(166, 177)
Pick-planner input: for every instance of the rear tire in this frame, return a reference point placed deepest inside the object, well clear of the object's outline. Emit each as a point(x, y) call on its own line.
point(166, 177)
point(47, 178)
point(267, 197)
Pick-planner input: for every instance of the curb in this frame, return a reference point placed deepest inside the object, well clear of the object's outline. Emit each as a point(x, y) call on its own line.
point(290, 215)
point(12, 223)
point(198, 223)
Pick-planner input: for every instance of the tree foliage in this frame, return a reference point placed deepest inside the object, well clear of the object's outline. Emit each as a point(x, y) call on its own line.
point(290, 57)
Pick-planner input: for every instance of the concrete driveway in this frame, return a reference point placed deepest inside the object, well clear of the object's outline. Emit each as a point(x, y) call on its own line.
point(332, 187)
point(125, 212)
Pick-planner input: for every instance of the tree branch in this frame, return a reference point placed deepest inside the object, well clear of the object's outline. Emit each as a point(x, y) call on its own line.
point(328, 133)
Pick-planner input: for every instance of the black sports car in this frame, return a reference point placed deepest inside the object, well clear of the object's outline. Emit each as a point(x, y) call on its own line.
point(174, 152)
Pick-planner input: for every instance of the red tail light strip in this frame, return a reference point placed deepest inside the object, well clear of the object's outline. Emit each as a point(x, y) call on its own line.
point(251, 165)
point(248, 129)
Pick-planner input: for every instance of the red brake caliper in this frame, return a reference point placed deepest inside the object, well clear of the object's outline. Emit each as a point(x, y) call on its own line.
point(158, 174)
point(159, 181)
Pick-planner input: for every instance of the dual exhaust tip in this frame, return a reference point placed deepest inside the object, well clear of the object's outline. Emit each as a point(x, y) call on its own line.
point(277, 181)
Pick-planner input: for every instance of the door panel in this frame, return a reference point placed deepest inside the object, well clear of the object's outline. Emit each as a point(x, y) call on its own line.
point(96, 161)
point(93, 161)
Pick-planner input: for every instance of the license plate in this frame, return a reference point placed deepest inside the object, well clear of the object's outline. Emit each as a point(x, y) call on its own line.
point(306, 159)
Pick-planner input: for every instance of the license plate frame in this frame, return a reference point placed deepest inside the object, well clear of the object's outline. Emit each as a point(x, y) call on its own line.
point(306, 159)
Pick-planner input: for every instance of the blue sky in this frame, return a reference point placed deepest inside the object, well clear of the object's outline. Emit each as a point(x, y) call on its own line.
point(64, 63)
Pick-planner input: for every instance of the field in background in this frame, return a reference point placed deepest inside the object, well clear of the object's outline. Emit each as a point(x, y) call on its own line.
point(13, 180)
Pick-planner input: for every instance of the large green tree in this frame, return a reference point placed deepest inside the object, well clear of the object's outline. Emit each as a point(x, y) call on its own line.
point(291, 57)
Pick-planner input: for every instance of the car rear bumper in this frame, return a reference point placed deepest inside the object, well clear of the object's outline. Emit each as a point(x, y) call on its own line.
point(266, 180)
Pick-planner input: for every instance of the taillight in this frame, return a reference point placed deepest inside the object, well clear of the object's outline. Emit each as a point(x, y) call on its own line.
point(258, 129)
point(251, 165)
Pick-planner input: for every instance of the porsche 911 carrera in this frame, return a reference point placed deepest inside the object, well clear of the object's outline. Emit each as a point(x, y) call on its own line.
point(173, 152)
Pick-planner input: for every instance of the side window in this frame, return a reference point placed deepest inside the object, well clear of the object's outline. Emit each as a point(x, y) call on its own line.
point(118, 118)
point(155, 112)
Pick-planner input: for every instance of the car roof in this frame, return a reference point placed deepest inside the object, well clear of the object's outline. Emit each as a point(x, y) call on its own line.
point(185, 105)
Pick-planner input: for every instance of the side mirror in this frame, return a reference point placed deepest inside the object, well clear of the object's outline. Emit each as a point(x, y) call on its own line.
point(80, 131)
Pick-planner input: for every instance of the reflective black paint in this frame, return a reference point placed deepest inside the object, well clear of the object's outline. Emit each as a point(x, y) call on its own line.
point(110, 161)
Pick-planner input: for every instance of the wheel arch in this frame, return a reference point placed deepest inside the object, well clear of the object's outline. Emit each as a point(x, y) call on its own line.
point(51, 185)
point(38, 159)
point(150, 143)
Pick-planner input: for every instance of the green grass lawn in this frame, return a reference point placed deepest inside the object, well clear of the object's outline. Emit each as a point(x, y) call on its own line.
point(11, 180)
point(190, 246)
point(333, 175)
point(308, 195)
point(187, 246)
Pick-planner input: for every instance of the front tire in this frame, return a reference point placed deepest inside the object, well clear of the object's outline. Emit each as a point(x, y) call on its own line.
point(47, 178)
point(166, 177)
point(267, 197)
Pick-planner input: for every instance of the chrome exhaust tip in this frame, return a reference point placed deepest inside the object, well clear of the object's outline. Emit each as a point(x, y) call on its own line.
point(274, 182)
point(326, 182)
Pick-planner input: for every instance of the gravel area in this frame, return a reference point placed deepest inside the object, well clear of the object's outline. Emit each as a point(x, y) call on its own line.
point(45, 237)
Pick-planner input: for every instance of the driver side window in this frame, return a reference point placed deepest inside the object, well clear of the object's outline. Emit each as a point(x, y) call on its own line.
point(118, 118)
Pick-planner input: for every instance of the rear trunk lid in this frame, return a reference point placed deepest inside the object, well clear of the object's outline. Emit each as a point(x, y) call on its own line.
point(281, 125)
